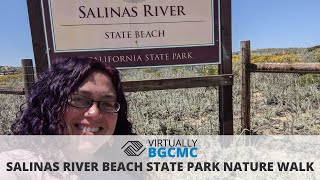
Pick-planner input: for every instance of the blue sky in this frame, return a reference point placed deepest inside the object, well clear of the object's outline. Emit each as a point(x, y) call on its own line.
point(266, 23)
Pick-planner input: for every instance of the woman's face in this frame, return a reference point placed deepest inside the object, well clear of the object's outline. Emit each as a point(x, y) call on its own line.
point(92, 120)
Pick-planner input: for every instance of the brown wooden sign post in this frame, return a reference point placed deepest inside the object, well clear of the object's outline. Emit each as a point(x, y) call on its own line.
point(225, 92)
point(135, 35)
point(38, 38)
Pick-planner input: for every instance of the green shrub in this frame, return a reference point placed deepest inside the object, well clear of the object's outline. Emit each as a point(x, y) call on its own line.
point(208, 70)
point(309, 79)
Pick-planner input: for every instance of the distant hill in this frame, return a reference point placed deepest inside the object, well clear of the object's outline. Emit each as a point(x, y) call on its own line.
point(311, 54)
point(314, 48)
point(271, 51)
point(5, 69)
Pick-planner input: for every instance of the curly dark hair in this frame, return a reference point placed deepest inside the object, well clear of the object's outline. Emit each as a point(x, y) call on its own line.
point(47, 98)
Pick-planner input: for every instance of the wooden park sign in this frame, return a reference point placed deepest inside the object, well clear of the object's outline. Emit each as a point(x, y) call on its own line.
point(137, 34)
point(134, 33)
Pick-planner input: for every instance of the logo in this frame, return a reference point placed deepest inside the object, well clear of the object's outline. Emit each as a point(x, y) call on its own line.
point(133, 148)
point(173, 148)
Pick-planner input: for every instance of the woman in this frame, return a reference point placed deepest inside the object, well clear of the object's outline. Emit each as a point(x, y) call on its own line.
point(76, 96)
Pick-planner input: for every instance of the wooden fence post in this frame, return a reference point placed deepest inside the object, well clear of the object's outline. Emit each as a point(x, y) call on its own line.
point(245, 87)
point(28, 74)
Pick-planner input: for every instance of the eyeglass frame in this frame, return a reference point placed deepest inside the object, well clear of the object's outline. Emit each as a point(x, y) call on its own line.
point(91, 103)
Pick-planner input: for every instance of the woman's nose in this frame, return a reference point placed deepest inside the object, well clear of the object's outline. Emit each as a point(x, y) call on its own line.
point(93, 112)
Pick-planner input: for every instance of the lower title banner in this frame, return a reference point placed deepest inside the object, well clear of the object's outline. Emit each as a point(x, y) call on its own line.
point(159, 157)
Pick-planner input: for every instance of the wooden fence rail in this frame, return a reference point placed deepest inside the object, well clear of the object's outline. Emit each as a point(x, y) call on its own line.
point(247, 67)
point(177, 83)
point(11, 90)
point(302, 68)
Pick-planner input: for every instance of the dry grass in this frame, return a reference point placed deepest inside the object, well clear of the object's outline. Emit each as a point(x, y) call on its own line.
point(9, 106)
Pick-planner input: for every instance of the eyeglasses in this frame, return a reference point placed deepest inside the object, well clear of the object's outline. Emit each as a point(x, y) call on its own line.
point(79, 101)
